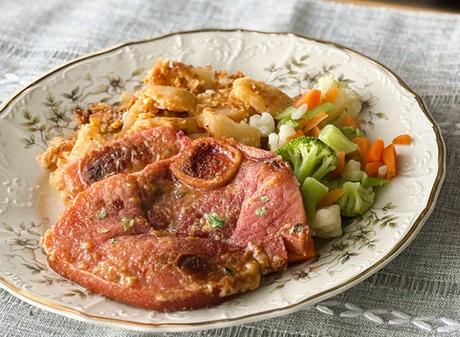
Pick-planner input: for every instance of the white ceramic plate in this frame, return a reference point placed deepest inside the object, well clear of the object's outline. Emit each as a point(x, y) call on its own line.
point(44, 109)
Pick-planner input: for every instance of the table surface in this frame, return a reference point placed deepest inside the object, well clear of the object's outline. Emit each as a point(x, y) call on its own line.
point(447, 6)
point(419, 292)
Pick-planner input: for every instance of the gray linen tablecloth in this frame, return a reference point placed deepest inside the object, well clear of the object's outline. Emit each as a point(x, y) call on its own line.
point(415, 295)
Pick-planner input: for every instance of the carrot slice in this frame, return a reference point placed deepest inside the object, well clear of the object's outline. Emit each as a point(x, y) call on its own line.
point(390, 160)
point(363, 146)
point(332, 93)
point(330, 198)
point(297, 134)
point(403, 139)
point(314, 132)
point(372, 168)
point(311, 98)
point(309, 124)
point(375, 151)
point(349, 120)
point(341, 165)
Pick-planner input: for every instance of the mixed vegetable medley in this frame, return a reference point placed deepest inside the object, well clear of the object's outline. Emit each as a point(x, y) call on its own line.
point(337, 165)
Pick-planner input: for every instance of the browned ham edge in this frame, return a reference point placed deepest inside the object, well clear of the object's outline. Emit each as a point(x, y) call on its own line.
point(129, 154)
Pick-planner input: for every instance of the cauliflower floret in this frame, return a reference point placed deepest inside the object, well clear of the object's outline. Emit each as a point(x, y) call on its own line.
point(276, 140)
point(325, 83)
point(347, 102)
point(263, 122)
point(299, 112)
point(352, 171)
point(382, 171)
point(328, 223)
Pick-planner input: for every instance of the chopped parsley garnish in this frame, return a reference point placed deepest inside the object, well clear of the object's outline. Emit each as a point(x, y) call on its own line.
point(102, 213)
point(297, 228)
point(264, 198)
point(103, 230)
point(214, 220)
point(127, 223)
point(261, 211)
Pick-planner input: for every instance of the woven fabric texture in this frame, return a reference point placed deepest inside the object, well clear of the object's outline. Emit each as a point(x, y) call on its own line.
point(419, 292)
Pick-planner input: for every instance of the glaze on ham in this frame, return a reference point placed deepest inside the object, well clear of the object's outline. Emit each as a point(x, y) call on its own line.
point(185, 232)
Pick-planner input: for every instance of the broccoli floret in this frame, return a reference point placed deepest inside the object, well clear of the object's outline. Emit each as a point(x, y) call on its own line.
point(312, 192)
point(351, 132)
point(332, 184)
point(333, 137)
point(290, 122)
point(356, 199)
point(309, 157)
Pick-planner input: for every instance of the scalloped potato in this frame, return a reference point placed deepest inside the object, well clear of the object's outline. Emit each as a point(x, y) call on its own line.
point(171, 98)
point(221, 103)
point(223, 126)
point(197, 100)
point(260, 96)
point(188, 124)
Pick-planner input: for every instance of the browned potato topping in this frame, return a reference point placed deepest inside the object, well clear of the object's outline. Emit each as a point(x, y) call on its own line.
point(260, 96)
point(197, 100)
point(180, 75)
point(57, 151)
point(171, 98)
point(220, 102)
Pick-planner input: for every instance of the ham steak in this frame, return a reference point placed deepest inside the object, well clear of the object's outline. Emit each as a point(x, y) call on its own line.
point(129, 154)
point(185, 232)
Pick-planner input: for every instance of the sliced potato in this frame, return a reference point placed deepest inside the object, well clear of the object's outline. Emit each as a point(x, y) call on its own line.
point(147, 104)
point(205, 75)
point(260, 96)
point(171, 98)
point(142, 105)
point(188, 124)
point(225, 79)
point(180, 75)
point(220, 102)
point(223, 126)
